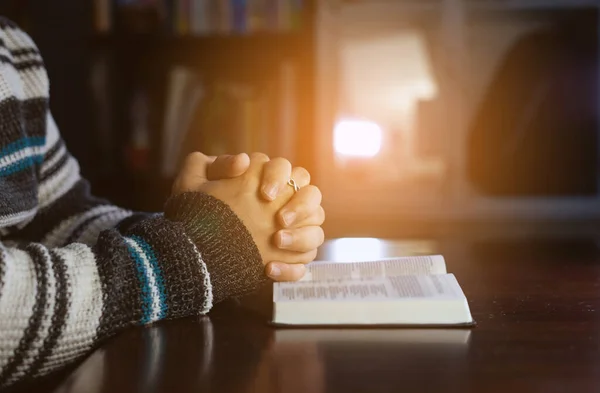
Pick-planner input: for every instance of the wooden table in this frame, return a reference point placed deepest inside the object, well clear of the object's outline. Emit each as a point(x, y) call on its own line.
point(537, 306)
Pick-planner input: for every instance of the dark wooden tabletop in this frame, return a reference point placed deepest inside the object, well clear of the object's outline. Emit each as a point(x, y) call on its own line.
point(537, 305)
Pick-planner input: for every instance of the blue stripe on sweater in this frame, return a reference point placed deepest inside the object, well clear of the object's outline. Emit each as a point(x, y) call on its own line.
point(21, 165)
point(143, 274)
point(29, 141)
point(25, 162)
point(158, 274)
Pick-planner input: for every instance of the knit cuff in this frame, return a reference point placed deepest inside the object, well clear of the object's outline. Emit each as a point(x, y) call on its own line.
point(151, 272)
point(226, 245)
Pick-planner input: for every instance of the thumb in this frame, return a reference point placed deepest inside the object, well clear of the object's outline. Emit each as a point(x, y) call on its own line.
point(228, 166)
point(279, 271)
point(193, 173)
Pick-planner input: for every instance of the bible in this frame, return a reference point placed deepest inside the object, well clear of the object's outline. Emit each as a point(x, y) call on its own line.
point(406, 291)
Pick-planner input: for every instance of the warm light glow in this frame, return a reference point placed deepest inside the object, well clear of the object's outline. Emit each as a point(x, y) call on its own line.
point(357, 138)
point(356, 249)
point(384, 73)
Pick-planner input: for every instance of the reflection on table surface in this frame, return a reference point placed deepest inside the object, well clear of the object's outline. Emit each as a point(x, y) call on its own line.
point(537, 307)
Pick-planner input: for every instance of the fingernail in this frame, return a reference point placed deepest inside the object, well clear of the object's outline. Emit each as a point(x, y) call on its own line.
point(285, 239)
point(289, 218)
point(274, 271)
point(271, 191)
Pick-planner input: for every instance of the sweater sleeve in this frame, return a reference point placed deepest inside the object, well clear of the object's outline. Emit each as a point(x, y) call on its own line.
point(56, 304)
point(75, 269)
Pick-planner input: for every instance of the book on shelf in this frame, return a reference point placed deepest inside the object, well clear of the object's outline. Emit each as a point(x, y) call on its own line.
point(407, 291)
point(199, 17)
point(231, 116)
point(183, 96)
point(198, 113)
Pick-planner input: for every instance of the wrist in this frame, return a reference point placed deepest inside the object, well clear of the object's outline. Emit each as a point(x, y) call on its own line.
point(151, 272)
point(225, 244)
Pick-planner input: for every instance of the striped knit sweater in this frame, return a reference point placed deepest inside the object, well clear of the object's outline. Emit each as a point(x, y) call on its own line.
point(74, 269)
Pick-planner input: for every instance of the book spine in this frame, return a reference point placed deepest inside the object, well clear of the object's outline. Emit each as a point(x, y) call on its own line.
point(200, 17)
point(271, 14)
point(182, 16)
point(240, 15)
point(296, 16)
point(224, 16)
point(170, 16)
point(103, 17)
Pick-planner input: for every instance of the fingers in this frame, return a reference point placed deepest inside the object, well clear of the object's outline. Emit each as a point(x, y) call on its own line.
point(303, 209)
point(302, 240)
point(283, 176)
point(193, 173)
point(301, 176)
point(279, 271)
point(292, 268)
point(257, 162)
point(228, 166)
point(276, 174)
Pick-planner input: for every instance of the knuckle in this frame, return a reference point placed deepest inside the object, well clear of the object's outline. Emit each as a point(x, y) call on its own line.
point(278, 169)
point(194, 157)
point(321, 237)
point(314, 192)
point(261, 157)
point(301, 172)
point(280, 161)
point(290, 273)
point(321, 215)
point(310, 256)
point(299, 272)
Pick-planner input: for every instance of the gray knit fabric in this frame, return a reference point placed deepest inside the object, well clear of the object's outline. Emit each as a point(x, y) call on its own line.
point(75, 269)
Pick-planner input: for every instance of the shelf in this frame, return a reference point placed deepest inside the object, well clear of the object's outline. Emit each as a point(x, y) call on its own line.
point(238, 55)
point(258, 41)
point(547, 5)
point(382, 7)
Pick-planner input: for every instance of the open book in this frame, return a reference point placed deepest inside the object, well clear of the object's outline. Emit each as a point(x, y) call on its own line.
point(400, 291)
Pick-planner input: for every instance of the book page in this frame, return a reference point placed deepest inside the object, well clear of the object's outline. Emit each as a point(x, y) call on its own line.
point(377, 289)
point(414, 265)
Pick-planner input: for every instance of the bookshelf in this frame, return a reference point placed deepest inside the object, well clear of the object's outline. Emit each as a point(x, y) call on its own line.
point(261, 79)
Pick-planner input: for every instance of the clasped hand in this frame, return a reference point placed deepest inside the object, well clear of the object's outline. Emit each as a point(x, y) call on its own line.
point(286, 226)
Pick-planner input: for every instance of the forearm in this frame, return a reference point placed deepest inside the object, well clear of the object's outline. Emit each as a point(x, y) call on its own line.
point(58, 304)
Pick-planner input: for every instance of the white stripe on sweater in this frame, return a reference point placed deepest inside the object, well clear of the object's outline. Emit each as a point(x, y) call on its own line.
point(150, 275)
point(46, 165)
point(59, 235)
point(17, 218)
point(85, 305)
point(28, 151)
point(47, 312)
point(31, 83)
point(58, 185)
point(52, 134)
point(11, 84)
point(22, 85)
point(36, 83)
point(206, 284)
point(16, 301)
point(16, 39)
point(26, 56)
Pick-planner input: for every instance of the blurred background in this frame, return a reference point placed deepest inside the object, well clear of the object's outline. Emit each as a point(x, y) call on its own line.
point(415, 117)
